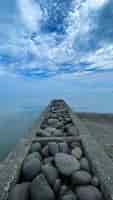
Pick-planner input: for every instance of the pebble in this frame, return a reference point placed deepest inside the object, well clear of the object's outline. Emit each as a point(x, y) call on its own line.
point(66, 163)
point(40, 189)
point(48, 160)
point(45, 151)
point(77, 153)
point(95, 181)
point(88, 193)
point(69, 196)
point(34, 155)
point(63, 190)
point(19, 191)
point(63, 147)
point(31, 168)
point(57, 186)
point(84, 164)
point(81, 178)
point(50, 173)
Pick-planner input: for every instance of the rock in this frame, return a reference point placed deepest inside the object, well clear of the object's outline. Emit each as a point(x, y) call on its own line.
point(31, 168)
point(53, 148)
point(45, 151)
point(52, 122)
point(57, 186)
point(84, 164)
point(50, 173)
point(71, 130)
point(40, 189)
point(53, 131)
point(77, 152)
point(63, 147)
point(88, 193)
point(34, 155)
point(19, 191)
point(43, 133)
point(81, 178)
point(69, 196)
point(95, 181)
point(66, 164)
point(48, 160)
point(35, 147)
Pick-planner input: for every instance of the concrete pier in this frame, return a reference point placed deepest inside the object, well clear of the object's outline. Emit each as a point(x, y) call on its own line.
point(58, 132)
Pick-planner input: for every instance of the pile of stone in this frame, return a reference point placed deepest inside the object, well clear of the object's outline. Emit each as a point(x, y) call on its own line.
point(56, 171)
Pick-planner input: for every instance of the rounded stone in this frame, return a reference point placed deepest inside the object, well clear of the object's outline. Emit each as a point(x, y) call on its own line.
point(63, 190)
point(31, 168)
point(53, 148)
point(35, 147)
point(57, 186)
point(77, 152)
point(48, 160)
point(63, 147)
point(19, 191)
point(84, 164)
point(81, 178)
point(95, 181)
point(50, 173)
point(88, 192)
point(66, 163)
point(53, 122)
point(34, 155)
point(40, 189)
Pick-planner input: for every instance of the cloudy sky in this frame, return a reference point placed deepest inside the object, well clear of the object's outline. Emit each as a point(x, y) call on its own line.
point(56, 49)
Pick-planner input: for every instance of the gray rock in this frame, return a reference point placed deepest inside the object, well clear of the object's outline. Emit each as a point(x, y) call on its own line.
point(52, 122)
point(50, 173)
point(43, 133)
point(63, 190)
point(35, 147)
point(84, 164)
point(53, 131)
point(31, 168)
point(88, 193)
point(81, 178)
point(40, 189)
point(69, 196)
point(57, 186)
point(95, 181)
point(34, 155)
point(53, 148)
point(45, 151)
point(19, 191)
point(66, 164)
point(63, 147)
point(77, 152)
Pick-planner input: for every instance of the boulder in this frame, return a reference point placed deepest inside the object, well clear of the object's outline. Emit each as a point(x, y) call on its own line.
point(50, 173)
point(81, 178)
point(35, 147)
point(88, 192)
point(66, 163)
point(84, 164)
point(40, 189)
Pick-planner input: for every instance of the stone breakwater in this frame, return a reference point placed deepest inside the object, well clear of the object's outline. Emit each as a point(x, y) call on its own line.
point(56, 165)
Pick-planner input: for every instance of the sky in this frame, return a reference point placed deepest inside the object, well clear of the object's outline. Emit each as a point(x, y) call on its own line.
point(56, 49)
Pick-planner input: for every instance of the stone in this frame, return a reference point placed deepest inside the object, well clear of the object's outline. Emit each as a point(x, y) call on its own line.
point(35, 147)
point(69, 196)
point(52, 122)
point(71, 130)
point(81, 178)
point(53, 131)
point(19, 191)
point(63, 190)
point(45, 151)
point(84, 164)
point(53, 148)
point(77, 152)
point(95, 181)
point(88, 192)
point(57, 186)
point(40, 189)
point(43, 133)
point(66, 163)
point(31, 168)
point(50, 173)
point(63, 147)
point(34, 155)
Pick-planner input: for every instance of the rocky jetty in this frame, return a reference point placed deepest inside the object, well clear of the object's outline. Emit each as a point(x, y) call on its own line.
point(56, 168)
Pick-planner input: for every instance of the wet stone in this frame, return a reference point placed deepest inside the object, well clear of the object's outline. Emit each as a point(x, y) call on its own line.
point(40, 189)
point(88, 193)
point(50, 173)
point(66, 163)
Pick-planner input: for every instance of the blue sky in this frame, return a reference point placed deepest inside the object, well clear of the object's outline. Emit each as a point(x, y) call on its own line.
point(56, 49)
